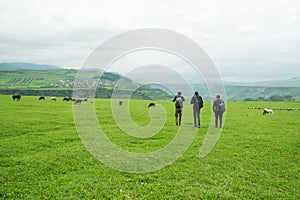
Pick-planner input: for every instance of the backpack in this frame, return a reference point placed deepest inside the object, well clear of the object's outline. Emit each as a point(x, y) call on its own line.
point(178, 103)
point(222, 107)
point(200, 102)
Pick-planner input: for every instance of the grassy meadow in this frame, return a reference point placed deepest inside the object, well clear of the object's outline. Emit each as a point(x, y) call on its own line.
point(42, 156)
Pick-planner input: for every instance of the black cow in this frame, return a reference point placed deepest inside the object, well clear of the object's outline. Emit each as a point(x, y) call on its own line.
point(151, 104)
point(67, 99)
point(78, 101)
point(42, 98)
point(120, 103)
point(16, 97)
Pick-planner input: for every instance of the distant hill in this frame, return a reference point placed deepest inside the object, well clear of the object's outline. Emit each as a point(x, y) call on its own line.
point(60, 82)
point(37, 79)
point(242, 92)
point(295, 81)
point(264, 89)
point(21, 65)
point(292, 82)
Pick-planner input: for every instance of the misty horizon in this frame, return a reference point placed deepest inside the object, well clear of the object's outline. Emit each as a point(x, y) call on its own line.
point(193, 81)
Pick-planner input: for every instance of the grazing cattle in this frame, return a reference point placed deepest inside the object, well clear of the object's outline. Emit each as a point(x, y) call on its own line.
point(268, 111)
point(42, 98)
point(151, 104)
point(16, 97)
point(53, 98)
point(287, 109)
point(67, 99)
point(120, 103)
point(85, 100)
point(78, 101)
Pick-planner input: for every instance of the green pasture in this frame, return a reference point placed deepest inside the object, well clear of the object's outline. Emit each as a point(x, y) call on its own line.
point(42, 156)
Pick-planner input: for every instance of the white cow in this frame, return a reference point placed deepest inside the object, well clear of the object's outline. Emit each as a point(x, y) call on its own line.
point(268, 111)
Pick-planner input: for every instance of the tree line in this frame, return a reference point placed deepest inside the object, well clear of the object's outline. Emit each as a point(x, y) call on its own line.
point(144, 92)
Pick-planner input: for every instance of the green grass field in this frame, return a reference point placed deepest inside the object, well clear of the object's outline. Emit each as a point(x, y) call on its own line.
point(42, 156)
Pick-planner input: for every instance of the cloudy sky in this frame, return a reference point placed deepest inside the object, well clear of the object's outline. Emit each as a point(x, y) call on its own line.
point(247, 40)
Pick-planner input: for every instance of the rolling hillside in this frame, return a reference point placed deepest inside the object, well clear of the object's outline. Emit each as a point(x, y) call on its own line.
point(60, 82)
point(35, 79)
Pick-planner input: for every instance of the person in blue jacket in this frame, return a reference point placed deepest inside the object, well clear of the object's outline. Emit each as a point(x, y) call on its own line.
point(197, 102)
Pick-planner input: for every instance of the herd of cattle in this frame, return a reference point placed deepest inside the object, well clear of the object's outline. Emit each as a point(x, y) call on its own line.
point(76, 101)
point(79, 101)
point(271, 112)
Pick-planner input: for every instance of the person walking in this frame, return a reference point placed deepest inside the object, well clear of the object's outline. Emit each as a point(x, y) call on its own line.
point(219, 109)
point(178, 99)
point(197, 102)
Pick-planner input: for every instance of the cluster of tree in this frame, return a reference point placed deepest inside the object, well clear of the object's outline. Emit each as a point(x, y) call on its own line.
point(273, 98)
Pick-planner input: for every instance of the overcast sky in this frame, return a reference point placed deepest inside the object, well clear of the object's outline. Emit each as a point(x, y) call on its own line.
point(247, 40)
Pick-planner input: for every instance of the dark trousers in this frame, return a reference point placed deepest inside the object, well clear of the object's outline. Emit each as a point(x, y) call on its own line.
point(218, 117)
point(178, 113)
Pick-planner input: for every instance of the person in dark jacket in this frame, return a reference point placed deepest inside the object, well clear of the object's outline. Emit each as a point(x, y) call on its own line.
point(197, 102)
point(219, 109)
point(178, 99)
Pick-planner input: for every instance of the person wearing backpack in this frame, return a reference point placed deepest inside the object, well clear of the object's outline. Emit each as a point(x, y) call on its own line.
point(219, 109)
point(178, 99)
point(197, 102)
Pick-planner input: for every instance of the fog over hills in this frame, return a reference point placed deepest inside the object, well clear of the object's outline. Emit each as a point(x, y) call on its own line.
point(295, 81)
point(23, 65)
